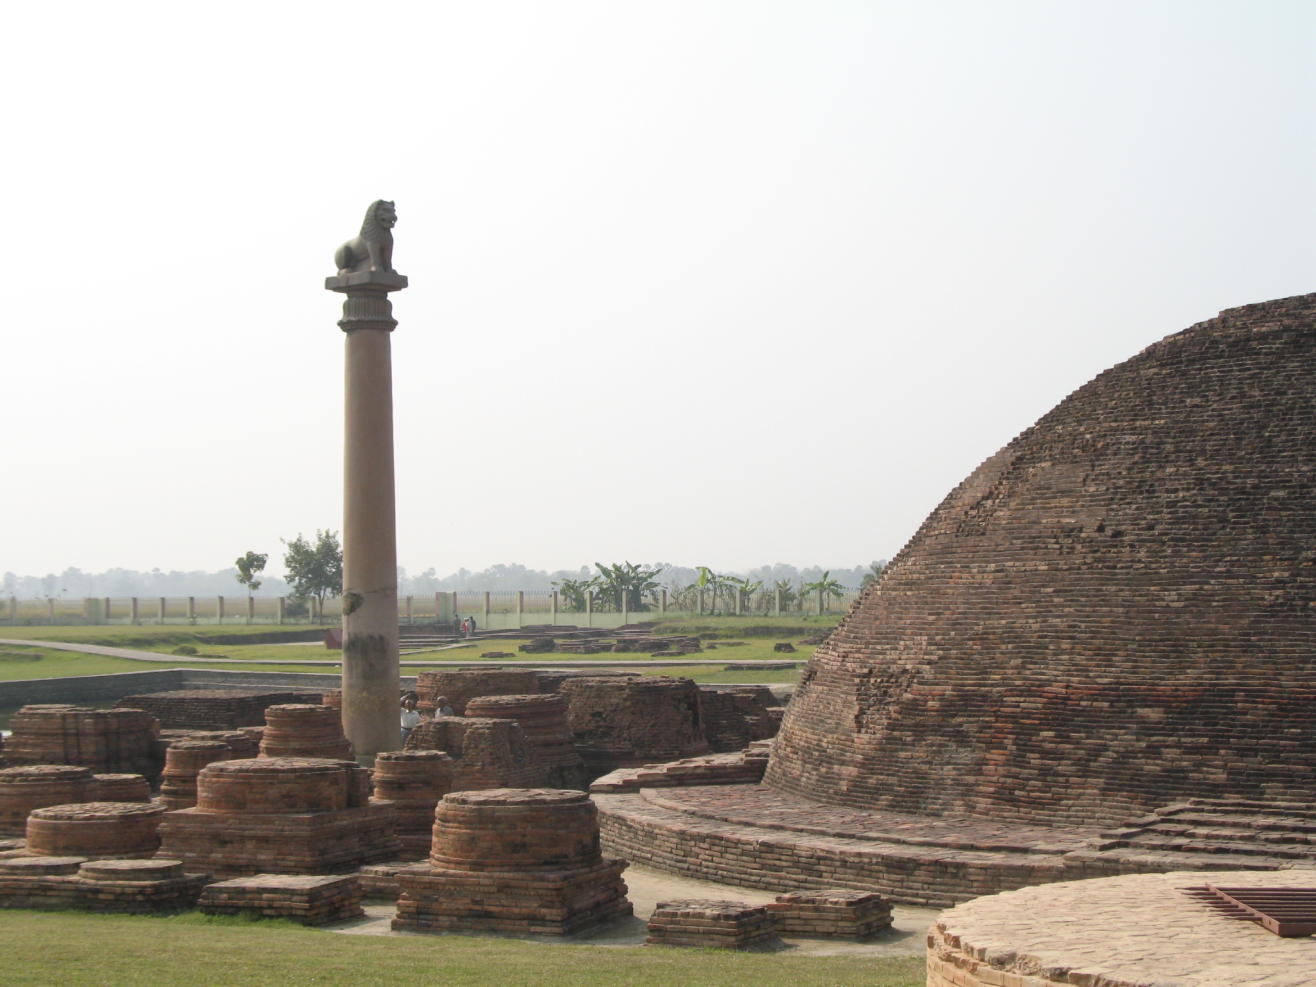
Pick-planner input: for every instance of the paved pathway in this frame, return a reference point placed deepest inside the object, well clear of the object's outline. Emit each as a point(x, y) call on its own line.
point(133, 654)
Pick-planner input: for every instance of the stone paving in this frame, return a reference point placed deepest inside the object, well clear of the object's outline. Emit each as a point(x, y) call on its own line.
point(1129, 931)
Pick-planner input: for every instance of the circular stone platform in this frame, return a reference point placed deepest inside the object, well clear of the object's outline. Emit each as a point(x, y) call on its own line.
point(1118, 932)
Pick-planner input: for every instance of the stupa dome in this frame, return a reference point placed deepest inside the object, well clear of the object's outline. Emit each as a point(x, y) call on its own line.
point(1114, 612)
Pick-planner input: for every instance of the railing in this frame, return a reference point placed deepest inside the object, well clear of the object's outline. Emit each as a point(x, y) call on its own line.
point(493, 609)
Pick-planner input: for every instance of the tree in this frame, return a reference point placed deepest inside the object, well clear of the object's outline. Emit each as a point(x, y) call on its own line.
point(825, 586)
point(875, 570)
point(249, 570)
point(314, 570)
point(626, 583)
point(573, 593)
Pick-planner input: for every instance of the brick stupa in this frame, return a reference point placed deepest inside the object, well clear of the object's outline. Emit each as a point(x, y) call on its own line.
point(1112, 613)
point(1097, 656)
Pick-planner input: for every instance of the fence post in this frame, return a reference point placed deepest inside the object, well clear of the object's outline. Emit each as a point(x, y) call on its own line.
point(251, 608)
point(625, 608)
point(776, 602)
point(160, 611)
point(589, 609)
point(553, 605)
point(191, 609)
point(520, 608)
point(820, 602)
point(219, 610)
point(662, 600)
point(438, 608)
point(409, 618)
point(278, 609)
point(107, 610)
point(740, 600)
point(132, 610)
point(50, 608)
point(701, 601)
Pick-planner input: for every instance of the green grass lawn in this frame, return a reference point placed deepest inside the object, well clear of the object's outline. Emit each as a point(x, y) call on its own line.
point(73, 948)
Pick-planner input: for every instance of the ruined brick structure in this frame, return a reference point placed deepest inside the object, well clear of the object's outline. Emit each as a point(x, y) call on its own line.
point(23, 789)
point(94, 829)
point(513, 860)
point(131, 886)
point(212, 709)
point(485, 752)
point(543, 718)
point(412, 782)
point(304, 730)
point(306, 898)
point(183, 762)
point(710, 924)
point(460, 685)
point(619, 723)
point(110, 740)
point(1112, 613)
point(281, 815)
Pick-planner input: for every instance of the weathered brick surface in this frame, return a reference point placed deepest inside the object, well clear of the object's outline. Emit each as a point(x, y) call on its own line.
point(707, 922)
point(832, 913)
point(110, 740)
point(94, 829)
point(412, 782)
point(132, 886)
point(461, 685)
point(1129, 931)
point(741, 768)
point(513, 860)
point(32, 786)
point(184, 760)
point(543, 719)
point(304, 898)
point(629, 722)
point(212, 709)
point(304, 730)
point(485, 752)
point(280, 815)
point(119, 788)
point(1112, 613)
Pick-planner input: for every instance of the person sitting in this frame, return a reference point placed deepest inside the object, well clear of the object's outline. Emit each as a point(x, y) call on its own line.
point(442, 707)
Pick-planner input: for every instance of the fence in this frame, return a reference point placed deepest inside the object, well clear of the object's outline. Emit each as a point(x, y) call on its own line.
point(491, 609)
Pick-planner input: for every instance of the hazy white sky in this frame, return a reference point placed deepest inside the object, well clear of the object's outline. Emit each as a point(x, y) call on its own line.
point(708, 283)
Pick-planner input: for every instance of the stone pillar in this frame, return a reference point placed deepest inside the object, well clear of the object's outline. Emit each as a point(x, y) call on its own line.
point(662, 600)
point(553, 606)
point(191, 609)
point(219, 610)
point(776, 602)
point(133, 610)
point(50, 609)
point(520, 608)
point(282, 605)
point(410, 619)
point(160, 610)
point(485, 614)
point(589, 609)
point(107, 609)
point(625, 608)
point(371, 681)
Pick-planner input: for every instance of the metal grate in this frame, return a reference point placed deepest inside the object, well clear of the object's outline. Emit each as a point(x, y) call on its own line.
point(1287, 912)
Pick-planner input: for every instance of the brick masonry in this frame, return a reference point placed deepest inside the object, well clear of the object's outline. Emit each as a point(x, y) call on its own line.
point(213, 709)
point(280, 815)
point(304, 898)
point(485, 752)
point(304, 730)
point(710, 923)
point(132, 886)
point(1112, 613)
point(513, 861)
point(94, 829)
point(108, 740)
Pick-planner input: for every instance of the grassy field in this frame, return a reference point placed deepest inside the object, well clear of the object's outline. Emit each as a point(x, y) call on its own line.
point(74, 948)
point(751, 639)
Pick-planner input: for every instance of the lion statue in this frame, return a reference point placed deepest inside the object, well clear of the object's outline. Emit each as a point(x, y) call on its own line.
point(373, 249)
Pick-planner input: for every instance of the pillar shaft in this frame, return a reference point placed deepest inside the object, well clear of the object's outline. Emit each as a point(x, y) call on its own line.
point(370, 597)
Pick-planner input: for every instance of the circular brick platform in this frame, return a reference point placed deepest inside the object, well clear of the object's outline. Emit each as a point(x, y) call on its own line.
point(1119, 932)
point(515, 829)
point(33, 786)
point(275, 785)
point(95, 829)
point(304, 730)
point(183, 762)
point(120, 788)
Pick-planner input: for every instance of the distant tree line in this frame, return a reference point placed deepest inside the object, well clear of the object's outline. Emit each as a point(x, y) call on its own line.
point(301, 557)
